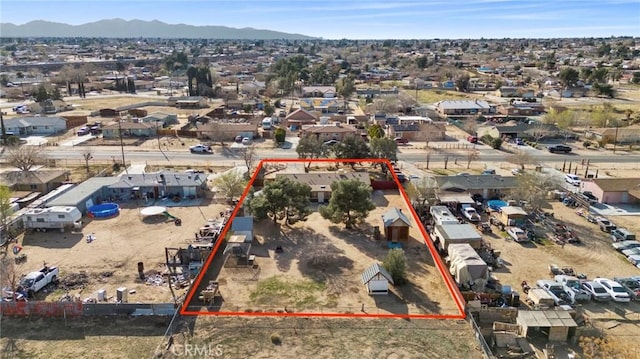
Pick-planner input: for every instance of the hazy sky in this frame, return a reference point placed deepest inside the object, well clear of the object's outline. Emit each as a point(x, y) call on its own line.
point(359, 19)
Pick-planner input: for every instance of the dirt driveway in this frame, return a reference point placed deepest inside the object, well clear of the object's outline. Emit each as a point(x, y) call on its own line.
point(111, 260)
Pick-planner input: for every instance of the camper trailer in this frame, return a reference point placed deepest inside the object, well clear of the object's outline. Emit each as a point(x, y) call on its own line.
point(42, 219)
point(267, 123)
point(442, 215)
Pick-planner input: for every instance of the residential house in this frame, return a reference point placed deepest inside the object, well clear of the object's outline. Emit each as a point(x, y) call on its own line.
point(336, 131)
point(628, 134)
point(166, 119)
point(188, 101)
point(322, 105)
point(489, 186)
point(376, 279)
point(109, 112)
point(461, 108)
point(613, 190)
point(521, 108)
point(418, 132)
point(521, 130)
point(36, 125)
point(320, 182)
point(253, 88)
point(85, 194)
point(396, 225)
point(41, 181)
point(172, 185)
point(319, 91)
point(296, 119)
point(506, 91)
point(226, 131)
point(50, 107)
point(129, 129)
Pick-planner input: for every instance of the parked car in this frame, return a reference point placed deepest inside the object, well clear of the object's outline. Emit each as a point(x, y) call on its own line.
point(470, 213)
point(631, 251)
point(623, 245)
point(331, 142)
point(472, 139)
point(597, 291)
point(573, 287)
point(517, 234)
point(84, 131)
point(516, 171)
point(559, 148)
point(631, 285)
point(200, 149)
point(246, 141)
point(519, 142)
point(622, 234)
point(605, 224)
point(238, 139)
point(556, 291)
point(615, 290)
point(589, 197)
point(572, 179)
point(401, 141)
point(489, 172)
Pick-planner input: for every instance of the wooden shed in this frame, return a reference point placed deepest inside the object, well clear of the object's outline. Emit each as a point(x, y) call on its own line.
point(558, 324)
point(396, 225)
point(376, 279)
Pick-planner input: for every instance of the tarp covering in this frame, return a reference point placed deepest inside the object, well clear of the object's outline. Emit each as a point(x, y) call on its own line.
point(466, 266)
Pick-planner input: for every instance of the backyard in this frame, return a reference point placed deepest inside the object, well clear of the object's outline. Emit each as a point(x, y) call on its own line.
point(320, 265)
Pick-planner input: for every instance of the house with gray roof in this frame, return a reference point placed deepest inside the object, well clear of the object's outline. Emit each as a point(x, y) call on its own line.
point(35, 125)
point(396, 225)
point(164, 184)
point(84, 195)
point(463, 108)
point(489, 186)
point(129, 129)
point(320, 182)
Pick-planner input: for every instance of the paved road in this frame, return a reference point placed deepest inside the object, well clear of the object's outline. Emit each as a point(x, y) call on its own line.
point(107, 153)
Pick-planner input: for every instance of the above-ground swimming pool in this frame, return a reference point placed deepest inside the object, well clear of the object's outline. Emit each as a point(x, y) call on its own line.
point(103, 210)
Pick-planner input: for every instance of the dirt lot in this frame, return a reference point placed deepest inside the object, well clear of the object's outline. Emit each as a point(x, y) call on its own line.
point(321, 265)
point(238, 338)
point(121, 242)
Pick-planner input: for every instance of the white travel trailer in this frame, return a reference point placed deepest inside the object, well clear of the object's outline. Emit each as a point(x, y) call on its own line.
point(42, 219)
point(442, 215)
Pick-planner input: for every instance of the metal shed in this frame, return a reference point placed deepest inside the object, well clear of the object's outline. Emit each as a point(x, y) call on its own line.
point(557, 323)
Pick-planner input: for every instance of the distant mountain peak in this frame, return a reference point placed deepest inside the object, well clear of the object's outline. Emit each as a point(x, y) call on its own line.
point(121, 28)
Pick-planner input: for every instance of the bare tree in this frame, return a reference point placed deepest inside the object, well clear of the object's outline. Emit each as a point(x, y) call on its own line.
point(421, 192)
point(539, 131)
point(470, 126)
point(9, 275)
point(446, 161)
point(472, 155)
point(87, 155)
point(249, 155)
point(532, 187)
point(522, 158)
point(24, 157)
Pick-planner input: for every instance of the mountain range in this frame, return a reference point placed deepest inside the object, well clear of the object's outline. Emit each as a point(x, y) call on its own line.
point(119, 28)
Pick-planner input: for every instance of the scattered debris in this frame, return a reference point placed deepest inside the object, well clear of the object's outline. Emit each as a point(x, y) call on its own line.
point(75, 280)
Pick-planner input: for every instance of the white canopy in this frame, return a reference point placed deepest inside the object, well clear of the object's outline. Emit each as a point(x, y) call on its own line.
point(153, 211)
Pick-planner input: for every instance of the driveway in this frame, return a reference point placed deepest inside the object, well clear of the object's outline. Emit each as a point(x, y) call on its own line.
point(36, 140)
point(77, 140)
point(617, 210)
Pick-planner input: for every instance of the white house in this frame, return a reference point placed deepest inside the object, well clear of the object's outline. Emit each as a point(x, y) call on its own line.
point(376, 279)
point(35, 125)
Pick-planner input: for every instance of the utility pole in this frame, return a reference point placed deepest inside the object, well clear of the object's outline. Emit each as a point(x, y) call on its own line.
point(615, 138)
point(124, 164)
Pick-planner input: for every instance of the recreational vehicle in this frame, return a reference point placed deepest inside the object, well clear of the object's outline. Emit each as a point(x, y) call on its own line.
point(42, 219)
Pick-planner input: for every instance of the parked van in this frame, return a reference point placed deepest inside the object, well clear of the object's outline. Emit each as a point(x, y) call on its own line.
point(267, 123)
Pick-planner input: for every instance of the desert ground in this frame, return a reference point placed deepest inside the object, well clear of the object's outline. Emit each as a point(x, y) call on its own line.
point(320, 269)
point(111, 260)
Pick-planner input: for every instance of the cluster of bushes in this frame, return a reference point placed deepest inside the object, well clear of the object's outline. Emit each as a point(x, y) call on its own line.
point(494, 142)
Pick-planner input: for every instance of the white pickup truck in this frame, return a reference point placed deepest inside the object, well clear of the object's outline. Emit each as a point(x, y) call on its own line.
point(556, 291)
point(33, 282)
point(470, 213)
point(573, 286)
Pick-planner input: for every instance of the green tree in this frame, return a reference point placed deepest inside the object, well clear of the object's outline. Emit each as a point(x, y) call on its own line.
point(422, 62)
point(280, 134)
point(231, 184)
point(636, 77)
point(42, 94)
point(269, 110)
point(568, 77)
point(311, 147)
point(604, 90)
point(384, 147)
point(375, 131)
point(281, 198)
point(350, 202)
point(346, 86)
point(352, 147)
point(396, 264)
point(462, 83)
point(599, 75)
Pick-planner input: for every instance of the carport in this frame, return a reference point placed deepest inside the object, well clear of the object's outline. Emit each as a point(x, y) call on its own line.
point(462, 198)
point(558, 325)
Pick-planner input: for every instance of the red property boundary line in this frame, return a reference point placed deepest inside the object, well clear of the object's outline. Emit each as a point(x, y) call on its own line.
point(448, 280)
